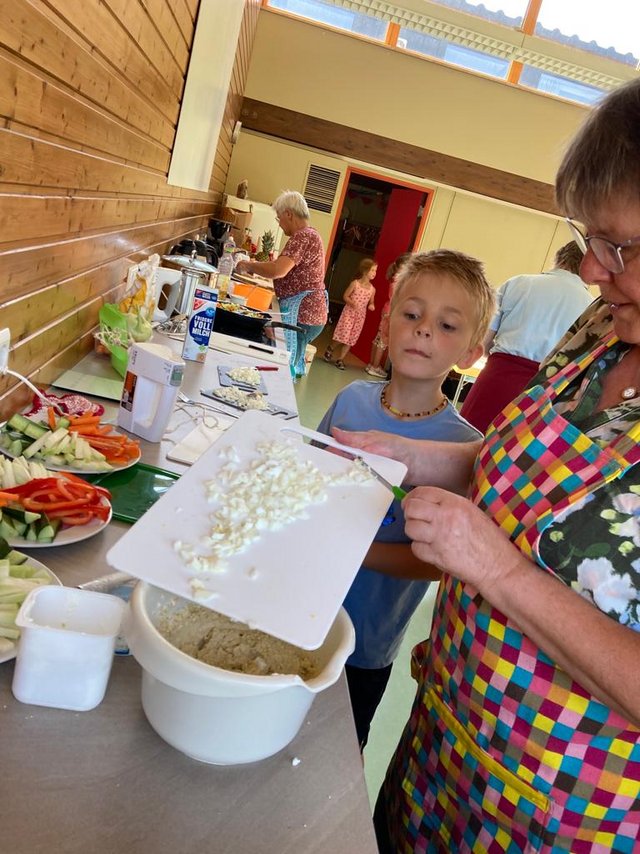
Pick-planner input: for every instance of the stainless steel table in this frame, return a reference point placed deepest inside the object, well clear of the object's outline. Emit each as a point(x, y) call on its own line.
point(103, 782)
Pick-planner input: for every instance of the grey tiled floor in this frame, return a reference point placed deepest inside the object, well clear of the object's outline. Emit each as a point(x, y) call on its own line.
point(314, 394)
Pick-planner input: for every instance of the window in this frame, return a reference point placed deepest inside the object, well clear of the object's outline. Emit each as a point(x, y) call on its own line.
point(455, 54)
point(510, 13)
point(610, 29)
point(327, 13)
point(561, 87)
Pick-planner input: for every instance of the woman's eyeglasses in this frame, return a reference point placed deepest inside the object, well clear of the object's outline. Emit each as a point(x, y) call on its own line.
point(608, 253)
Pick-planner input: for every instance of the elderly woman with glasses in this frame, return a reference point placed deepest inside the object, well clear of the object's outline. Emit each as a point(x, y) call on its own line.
point(525, 730)
point(298, 274)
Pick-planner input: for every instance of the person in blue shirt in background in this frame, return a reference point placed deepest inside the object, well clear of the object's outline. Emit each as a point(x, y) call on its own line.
point(440, 312)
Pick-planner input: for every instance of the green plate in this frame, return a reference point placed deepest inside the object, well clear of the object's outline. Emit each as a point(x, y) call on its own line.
point(135, 490)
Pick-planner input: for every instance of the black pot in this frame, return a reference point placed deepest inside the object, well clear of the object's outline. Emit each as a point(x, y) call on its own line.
point(251, 326)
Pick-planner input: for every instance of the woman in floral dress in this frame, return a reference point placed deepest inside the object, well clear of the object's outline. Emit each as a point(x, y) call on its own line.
point(358, 297)
point(525, 731)
point(298, 272)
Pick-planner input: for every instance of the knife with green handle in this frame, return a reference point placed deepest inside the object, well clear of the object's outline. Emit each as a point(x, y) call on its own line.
point(397, 491)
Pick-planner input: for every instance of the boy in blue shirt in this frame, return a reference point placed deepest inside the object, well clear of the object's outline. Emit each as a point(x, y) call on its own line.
point(440, 313)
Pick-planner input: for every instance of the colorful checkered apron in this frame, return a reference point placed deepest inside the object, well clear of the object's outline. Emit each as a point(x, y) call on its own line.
point(504, 752)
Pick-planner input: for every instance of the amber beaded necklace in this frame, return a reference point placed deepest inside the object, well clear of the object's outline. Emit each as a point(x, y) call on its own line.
point(399, 414)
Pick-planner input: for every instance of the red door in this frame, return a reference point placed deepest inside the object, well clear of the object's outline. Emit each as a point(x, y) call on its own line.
point(396, 234)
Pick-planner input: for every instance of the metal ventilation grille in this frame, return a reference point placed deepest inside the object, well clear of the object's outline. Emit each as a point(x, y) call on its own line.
point(320, 189)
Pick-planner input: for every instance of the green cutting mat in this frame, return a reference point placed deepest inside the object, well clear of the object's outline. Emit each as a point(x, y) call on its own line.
point(135, 490)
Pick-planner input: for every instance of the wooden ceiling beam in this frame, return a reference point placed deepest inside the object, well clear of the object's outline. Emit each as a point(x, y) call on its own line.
point(350, 142)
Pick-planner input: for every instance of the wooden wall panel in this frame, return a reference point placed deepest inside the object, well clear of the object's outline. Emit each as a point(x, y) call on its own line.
point(89, 100)
point(47, 45)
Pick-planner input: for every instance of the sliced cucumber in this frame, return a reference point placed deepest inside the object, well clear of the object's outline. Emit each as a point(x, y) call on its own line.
point(29, 428)
point(26, 516)
point(36, 446)
point(7, 531)
point(46, 529)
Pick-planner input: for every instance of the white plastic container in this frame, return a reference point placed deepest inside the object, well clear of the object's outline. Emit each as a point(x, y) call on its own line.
point(67, 638)
point(215, 715)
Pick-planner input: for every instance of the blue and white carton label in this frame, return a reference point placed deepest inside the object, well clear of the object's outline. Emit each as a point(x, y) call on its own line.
point(200, 324)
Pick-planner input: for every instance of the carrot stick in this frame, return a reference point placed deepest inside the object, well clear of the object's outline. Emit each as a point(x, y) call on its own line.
point(51, 417)
point(84, 419)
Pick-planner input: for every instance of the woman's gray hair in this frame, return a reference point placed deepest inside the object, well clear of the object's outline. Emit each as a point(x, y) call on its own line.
point(603, 160)
point(291, 201)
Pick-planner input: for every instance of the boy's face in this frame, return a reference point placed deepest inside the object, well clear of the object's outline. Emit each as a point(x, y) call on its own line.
point(431, 327)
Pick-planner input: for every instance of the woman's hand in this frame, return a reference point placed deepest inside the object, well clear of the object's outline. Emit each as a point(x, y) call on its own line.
point(371, 306)
point(452, 533)
point(243, 267)
point(445, 464)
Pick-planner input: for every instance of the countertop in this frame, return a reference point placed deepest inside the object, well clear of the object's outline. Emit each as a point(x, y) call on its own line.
point(103, 782)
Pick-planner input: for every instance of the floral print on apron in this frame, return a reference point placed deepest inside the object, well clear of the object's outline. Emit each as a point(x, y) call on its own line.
point(504, 752)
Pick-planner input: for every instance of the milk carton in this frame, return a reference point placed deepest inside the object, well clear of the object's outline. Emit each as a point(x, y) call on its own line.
point(200, 324)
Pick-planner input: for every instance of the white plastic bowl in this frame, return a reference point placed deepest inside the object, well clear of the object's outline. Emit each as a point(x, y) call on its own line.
point(215, 715)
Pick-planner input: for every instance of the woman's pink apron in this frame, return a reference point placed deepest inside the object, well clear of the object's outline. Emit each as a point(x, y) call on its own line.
point(504, 752)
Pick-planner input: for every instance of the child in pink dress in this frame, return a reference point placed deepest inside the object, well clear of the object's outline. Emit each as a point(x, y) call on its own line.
point(358, 297)
point(381, 341)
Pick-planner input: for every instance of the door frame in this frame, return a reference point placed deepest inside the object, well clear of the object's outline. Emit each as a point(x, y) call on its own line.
point(354, 170)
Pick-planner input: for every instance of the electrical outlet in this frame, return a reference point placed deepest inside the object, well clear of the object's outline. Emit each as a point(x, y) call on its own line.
point(5, 341)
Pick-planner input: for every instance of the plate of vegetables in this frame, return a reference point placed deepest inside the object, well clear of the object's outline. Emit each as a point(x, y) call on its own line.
point(19, 574)
point(40, 508)
point(76, 443)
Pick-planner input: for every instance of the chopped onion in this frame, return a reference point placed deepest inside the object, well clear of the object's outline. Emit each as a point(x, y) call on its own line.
point(273, 491)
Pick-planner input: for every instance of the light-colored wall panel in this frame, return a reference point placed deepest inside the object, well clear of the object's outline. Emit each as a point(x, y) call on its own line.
point(509, 240)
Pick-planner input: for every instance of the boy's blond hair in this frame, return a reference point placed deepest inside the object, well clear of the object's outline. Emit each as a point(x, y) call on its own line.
point(468, 271)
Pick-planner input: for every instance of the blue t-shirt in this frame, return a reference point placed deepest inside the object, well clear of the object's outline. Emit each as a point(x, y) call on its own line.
point(380, 606)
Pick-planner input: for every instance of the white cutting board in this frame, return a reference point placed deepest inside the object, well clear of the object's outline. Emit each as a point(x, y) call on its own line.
point(290, 583)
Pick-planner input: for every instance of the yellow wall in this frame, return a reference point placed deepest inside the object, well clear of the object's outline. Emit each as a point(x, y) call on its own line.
point(304, 67)
point(420, 102)
point(509, 240)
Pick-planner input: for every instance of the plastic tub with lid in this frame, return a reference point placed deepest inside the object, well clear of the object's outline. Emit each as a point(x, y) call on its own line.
point(215, 715)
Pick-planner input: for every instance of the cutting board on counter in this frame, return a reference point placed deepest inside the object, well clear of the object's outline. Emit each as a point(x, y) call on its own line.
point(291, 582)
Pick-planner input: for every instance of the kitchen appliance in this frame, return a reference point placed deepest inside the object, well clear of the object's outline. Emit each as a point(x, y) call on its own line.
point(180, 296)
point(151, 385)
point(248, 323)
point(218, 232)
point(221, 716)
point(182, 262)
point(167, 289)
point(198, 249)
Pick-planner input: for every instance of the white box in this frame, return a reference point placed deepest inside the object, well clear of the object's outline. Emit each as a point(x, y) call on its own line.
point(65, 652)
